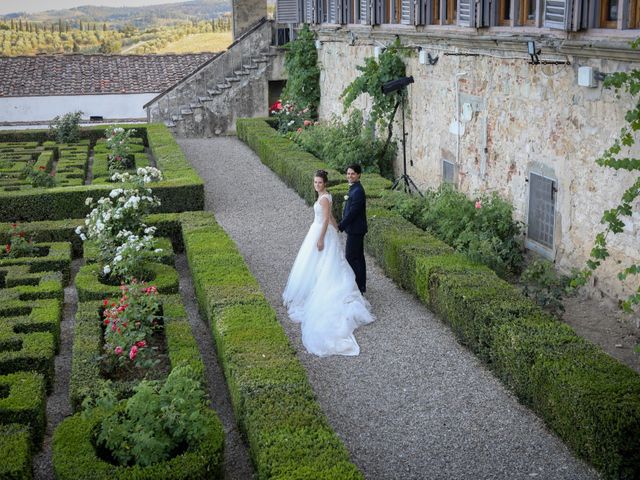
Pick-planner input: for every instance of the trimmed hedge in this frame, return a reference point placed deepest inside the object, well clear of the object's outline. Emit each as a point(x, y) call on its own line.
point(75, 457)
point(588, 398)
point(56, 259)
point(19, 282)
point(89, 286)
point(91, 252)
point(294, 166)
point(15, 452)
point(289, 436)
point(181, 190)
point(86, 379)
point(25, 403)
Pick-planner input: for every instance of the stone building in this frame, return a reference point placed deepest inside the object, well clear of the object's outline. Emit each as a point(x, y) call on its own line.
point(508, 97)
point(107, 87)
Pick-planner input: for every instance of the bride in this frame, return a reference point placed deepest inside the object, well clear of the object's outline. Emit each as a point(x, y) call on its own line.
point(321, 292)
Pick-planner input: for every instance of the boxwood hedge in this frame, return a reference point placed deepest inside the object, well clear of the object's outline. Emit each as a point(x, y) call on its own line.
point(15, 452)
point(24, 403)
point(182, 189)
point(289, 436)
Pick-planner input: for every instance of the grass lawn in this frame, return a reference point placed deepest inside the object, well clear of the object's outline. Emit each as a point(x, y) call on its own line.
point(199, 42)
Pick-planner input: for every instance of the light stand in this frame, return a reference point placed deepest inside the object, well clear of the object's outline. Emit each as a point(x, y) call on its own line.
point(400, 86)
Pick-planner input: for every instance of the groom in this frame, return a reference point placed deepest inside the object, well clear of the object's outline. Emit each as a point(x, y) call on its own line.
point(354, 222)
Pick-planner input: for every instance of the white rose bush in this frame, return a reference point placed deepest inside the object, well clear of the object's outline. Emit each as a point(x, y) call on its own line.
point(115, 224)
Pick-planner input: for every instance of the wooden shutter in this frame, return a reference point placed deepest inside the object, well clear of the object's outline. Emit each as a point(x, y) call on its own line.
point(364, 15)
point(407, 13)
point(421, 12)
point(332, 14)
point(466, 13)
point(310, 11)
point(377, 12)
point(557, 14)
point(287, 11)
point(484, 14)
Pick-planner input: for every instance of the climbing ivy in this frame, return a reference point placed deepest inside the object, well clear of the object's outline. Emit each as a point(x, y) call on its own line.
point(613, 157)
point(375, 73)
point(303, 82)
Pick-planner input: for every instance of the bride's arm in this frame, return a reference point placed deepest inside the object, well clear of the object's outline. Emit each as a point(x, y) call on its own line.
point(326, 218)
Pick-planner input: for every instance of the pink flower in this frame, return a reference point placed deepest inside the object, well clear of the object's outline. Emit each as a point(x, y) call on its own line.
point(118, 350)
point(141, 344)
point(478, 204)
point(299, 130)
point(307, 123)
point(133, 352)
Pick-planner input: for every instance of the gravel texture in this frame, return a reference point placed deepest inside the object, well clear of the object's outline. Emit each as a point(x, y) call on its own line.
point(415, 404)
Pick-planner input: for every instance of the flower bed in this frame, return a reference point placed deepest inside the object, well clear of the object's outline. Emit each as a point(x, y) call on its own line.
point(86, 379)
point(181, 190)
point(288, 434)
point(75, 456)
point(588, 398)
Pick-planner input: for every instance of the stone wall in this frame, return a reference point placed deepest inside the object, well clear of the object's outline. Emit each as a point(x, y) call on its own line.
point(246, 13)
point(518, 118)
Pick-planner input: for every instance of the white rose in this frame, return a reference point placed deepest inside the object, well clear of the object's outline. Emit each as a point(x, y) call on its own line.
point(83, 237)
point(118, 258)
point(346, 197)
point(158, 250)
point(88, 201)
point(106, 270)
point(78, 230)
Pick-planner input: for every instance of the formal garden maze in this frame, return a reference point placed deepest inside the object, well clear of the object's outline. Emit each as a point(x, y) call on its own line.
point(47, 164)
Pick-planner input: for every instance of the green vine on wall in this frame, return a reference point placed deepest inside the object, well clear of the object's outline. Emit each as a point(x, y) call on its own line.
point(611, 158)
point(375, 73)
point(303, 75)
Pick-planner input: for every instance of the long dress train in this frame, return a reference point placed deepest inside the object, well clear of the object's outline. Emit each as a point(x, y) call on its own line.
point(322, 295)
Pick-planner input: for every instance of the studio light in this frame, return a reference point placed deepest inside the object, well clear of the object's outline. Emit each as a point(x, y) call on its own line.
point(533, 53)
point(395, 85)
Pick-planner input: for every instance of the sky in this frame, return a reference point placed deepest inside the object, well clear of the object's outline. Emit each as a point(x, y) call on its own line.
point(31, 6)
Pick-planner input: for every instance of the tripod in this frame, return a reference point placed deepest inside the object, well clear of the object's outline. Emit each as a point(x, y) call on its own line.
point(404, 181)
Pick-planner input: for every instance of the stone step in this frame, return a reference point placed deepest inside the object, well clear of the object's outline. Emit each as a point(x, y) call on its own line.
point(186, 111)
point(193, 106)
point(261, 59)
point(241, 72)
point(224, 86)
point(205, 99)
point(250, 67)
point(232, 79)
point(214, 91)
point(175, 118)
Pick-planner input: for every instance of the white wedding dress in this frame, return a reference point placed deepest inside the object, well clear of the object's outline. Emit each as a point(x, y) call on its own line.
point(322, 294)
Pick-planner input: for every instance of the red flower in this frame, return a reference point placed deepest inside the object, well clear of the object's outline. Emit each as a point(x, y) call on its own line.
point(133, 352)
point(478, 204)
point(7, 248)
point(276, 107)
point(105, 302)
point(307, 123)
point(118, 350)
point(141, 344)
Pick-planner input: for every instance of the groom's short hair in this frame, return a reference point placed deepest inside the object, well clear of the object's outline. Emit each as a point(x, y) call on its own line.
point(356, 168)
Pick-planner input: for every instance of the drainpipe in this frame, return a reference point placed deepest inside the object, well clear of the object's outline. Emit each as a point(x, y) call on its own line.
point(457, 79)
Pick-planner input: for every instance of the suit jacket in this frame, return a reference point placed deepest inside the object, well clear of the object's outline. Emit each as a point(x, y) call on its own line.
point(354, 216)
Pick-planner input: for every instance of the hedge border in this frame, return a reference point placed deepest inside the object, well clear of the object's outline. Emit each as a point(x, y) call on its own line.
point(85, 372)
point(75, 457)
point(89, 286)
point(181, 190)
point(22, 284)
point(565, 379)
point(25, 404)
point(15, 451)
point(58, 259)
point(288, 435)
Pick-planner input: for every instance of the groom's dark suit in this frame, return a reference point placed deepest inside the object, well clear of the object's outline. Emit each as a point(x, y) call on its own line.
point(354, 222)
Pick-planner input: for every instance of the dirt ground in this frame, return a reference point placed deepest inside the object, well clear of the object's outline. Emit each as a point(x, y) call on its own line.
point(602, 322)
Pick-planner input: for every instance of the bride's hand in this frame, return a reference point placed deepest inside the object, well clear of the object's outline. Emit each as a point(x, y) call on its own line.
point(320, 245)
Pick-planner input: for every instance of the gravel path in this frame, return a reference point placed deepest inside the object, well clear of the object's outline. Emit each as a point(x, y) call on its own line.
point(414, 404)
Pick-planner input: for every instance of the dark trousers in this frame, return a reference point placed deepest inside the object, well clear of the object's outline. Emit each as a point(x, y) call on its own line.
point(354, 253)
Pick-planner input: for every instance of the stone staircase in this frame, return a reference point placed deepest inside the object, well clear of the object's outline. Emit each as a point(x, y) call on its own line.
point(231, 85)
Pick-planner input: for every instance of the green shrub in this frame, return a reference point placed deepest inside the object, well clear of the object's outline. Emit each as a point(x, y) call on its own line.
point(341, 144)
point(15, 452)
point(75, 456)
point(544, 285)
point(24, 403)
point(66, 128)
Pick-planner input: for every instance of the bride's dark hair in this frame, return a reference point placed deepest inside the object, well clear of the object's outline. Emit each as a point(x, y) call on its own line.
point(323, 175)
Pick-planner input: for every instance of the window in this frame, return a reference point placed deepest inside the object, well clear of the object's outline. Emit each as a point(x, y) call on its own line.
point(541, 218)
point(448, 172)
point(444, 12)
point(634, 14)
point(504, 12)
point(608, 13)
point(527, 12)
